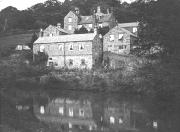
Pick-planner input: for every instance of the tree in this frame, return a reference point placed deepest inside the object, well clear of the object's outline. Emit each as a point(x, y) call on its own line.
point(82, 30)
point(33, 39)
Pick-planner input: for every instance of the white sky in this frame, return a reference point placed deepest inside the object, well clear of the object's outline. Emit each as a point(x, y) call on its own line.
point(24, 4)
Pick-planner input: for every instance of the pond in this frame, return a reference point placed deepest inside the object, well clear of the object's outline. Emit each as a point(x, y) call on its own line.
point(76, 111)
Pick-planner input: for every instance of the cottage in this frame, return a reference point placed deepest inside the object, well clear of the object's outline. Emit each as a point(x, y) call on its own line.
point(120, 39)
point(73, 20)
point(71, 51)
point(53, 31)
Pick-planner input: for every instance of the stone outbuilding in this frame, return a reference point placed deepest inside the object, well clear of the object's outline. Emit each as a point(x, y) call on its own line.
point(120, 39)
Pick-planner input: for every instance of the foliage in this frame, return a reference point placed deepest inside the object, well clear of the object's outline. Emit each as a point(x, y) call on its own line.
point(33, 39)
point(82, 30)
point(40, 58)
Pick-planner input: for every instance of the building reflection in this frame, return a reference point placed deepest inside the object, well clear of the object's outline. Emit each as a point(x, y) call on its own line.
point(104, 115)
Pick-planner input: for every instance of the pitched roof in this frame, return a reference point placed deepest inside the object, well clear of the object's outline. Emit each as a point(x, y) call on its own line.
point(122, 29)
point(128, 32)
point(130, 24)
point(105, 18)
point(58, 28)
point(66, 38)
point(86, 19)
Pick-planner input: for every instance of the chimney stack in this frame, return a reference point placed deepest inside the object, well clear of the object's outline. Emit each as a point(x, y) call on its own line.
point(58, 25)
point(98, 9)
point(108, 11)
point(41, 32)
point(95, 30)
point(77, 10)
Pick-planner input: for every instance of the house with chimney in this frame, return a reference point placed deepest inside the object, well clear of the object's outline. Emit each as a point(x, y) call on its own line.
point(121, 38)
point(71, 51)
point(53, 31)
point(74, 20)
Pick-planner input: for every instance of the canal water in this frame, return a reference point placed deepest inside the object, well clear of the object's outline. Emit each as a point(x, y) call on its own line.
point(76, 111)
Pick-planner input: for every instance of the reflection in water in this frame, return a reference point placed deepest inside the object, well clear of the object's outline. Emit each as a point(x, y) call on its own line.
point(82, 111)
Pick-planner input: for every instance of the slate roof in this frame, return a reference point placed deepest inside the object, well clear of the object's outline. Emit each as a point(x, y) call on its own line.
point(86, 19)
point(60, 29)
point(127, 31)
point(66, 38)
point(131, 24)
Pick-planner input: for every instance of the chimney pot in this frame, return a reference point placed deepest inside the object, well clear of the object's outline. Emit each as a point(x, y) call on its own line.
point(59, 25)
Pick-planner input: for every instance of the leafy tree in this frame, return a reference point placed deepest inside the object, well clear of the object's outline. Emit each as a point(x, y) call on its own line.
point(82, 30)
point(33, 39)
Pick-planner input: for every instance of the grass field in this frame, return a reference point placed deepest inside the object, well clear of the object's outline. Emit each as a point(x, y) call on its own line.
point(13, 40)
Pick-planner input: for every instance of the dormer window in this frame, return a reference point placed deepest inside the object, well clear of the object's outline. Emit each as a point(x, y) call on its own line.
point(90, 25)
point(69, 19)
point(120, 36)
point(134, 29)
point(100, 25)
point(111, 37)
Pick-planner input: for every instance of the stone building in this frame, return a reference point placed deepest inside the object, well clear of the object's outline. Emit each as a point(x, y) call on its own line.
point(71, 51)
point(120, 39)
point(53, 31)
point(73, 20)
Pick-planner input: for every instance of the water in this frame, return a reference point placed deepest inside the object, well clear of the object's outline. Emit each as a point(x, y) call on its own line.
point(75, 111)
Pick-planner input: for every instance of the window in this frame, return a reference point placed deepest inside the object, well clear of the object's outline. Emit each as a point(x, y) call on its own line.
point(70, 27)
point(134, 29)
point(122, 47)
point(81, 112)
point(70, 62)
point(60, 47)
point(83, 62)
point(90, 25)
point(109, 45)
point(61, 110)
point(51, 63)
point(71, 112)
point(111, 37)
point(42, 48)
point(81, 47)
point(71, 47)
point(112, 120)
point(42, 111)
point(120, 121)
point(69, 19)
point(121, 36)
point(100, 25)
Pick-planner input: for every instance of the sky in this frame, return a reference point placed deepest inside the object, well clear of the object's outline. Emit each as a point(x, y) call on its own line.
point(24, 4)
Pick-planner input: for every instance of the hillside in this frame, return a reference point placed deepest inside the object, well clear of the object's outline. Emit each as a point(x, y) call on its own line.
point(13, 40)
